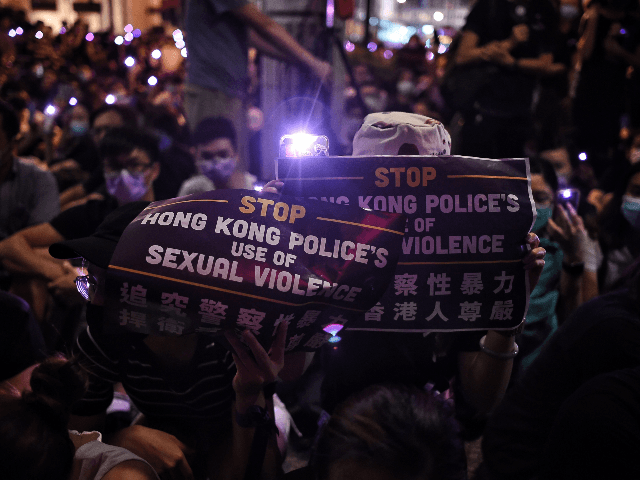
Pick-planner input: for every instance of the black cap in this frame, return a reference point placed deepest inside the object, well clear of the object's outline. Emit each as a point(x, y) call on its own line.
point(99, 247)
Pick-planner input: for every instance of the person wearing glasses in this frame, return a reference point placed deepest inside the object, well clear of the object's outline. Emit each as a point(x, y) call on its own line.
point(130, 163)
point(215, 151)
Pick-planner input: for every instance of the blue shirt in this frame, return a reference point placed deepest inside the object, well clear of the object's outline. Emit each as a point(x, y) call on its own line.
point(217, 46)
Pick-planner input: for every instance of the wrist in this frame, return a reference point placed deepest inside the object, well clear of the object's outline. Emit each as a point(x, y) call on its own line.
point(574, 269)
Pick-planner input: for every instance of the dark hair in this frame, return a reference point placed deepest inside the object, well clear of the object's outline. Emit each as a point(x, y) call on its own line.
point(128, 115)
point(122, 140)
point(545, 168)
point(212, 128)
point(10, 121)
point(34, 440)
point(408, 432)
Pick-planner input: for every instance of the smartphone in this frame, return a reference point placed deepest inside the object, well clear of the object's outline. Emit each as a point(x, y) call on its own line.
point(566, 196)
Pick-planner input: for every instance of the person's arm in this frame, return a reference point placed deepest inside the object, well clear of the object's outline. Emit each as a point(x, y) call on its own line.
point(19, 251)
point(587, 41)
point(131, 470)
point(72, 194)
point(274, 33)
point(253, 373)
point(483, 377)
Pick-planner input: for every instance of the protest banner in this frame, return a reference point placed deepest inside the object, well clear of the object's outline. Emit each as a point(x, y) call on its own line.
point(460, 267)
point(246, 259)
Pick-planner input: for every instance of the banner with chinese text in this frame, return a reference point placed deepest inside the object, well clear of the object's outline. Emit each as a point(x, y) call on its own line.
point(460, 267)
point(241, 258)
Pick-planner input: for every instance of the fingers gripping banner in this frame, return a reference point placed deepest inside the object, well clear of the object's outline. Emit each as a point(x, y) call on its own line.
point(460, 266)
point(239, 258)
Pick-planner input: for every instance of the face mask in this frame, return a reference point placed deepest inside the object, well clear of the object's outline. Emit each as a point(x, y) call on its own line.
point(218, 170)
point(405, 87)
point(631, 210)
point(569, 11)
point(78, 127)
point(634, 156)
point(543, 214)
point(126, 187)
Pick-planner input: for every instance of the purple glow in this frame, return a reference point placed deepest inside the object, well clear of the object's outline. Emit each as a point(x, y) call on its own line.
point(137, 33)
point(430, 56)
point(39, 35)
point(582, 156)
point(19, 31)
point(623, 31)
point(349, 47)
point(388, 54)
point(89, 37)
point(128, 28)
point(128, 37)
point(330, 13)
point(63, 31)
point(333, 328)
point(566, 193)
point(372, 46)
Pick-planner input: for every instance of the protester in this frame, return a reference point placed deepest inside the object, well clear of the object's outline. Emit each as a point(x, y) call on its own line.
point(35, 442)
point(184, 385)
point(214, 147)
point(601, 336)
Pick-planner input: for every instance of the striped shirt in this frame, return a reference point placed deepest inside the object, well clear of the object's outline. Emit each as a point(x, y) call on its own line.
point(201, 394)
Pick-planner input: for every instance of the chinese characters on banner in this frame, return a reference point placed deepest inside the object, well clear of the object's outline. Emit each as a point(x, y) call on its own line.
point(239, 258)
point(460, 266)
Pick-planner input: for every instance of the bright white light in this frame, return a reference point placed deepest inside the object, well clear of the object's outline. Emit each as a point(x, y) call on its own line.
point(128, 28)
point(430, 56)
point(177, 34)
point(258, 188)
point(180, 44)
point(39, 35)
point(128, 37)
point(156, 54)
point(129, 61)
point(401, 1)
point(12, 33)
point(349, 47)
point(183, 52)
point(119, 40)
point(19, 31)
point(566, 193)
point(427, 29)
point(153, 81)
point(438, 16)
point(73, 101)
point(388, 54)
point(50, 110)
point(442, 48)
point(582, 156)
point(89, 37)
point(110, 99)
point(301, 142)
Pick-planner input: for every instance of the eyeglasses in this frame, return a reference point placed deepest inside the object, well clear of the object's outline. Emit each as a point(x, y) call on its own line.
point(209, 155)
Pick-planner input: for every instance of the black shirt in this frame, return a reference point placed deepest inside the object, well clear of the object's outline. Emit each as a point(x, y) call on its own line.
point(83, 220)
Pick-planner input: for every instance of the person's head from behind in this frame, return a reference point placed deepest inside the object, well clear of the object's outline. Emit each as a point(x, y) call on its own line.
point(130, 160)
point(109, 117)
point(214, 149)
point(544, 184)
point(34, 440)
point(391, 432)
point(10, 128)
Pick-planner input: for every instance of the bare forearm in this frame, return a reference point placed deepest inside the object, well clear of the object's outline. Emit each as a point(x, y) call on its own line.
point(18, 255)
point(484, 379)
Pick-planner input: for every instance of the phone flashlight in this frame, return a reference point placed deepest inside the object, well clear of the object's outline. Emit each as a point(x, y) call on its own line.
point(304, 145)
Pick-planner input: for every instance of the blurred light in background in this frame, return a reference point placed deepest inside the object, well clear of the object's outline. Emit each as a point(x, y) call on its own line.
point(110, 99)
point(89, 37)
point(156, 54)
point(119, 40)
point(19, 31)
point(183, 52)
point(349, 47)
point(137, 32)
point(128, 37)
point(372, 46)
point(129, 61)
point(73, 101)
point(128, 28)
point(438, 16)
point(12, 33)
point(39, 35)
point(582, 156)
point(388, 54)
point(153, 81)
point(50, 110)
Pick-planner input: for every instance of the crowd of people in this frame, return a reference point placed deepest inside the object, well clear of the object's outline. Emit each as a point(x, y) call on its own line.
point(95, 126)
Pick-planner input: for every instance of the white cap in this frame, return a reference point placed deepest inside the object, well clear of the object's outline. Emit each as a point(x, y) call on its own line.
point(385, 133)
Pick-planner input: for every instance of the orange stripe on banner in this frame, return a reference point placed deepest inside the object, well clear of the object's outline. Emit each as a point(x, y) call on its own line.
point(322, 178)
point(487, 176)
point(360, 225)
point(185, 201)
point(186, 282)
point(459, 263)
